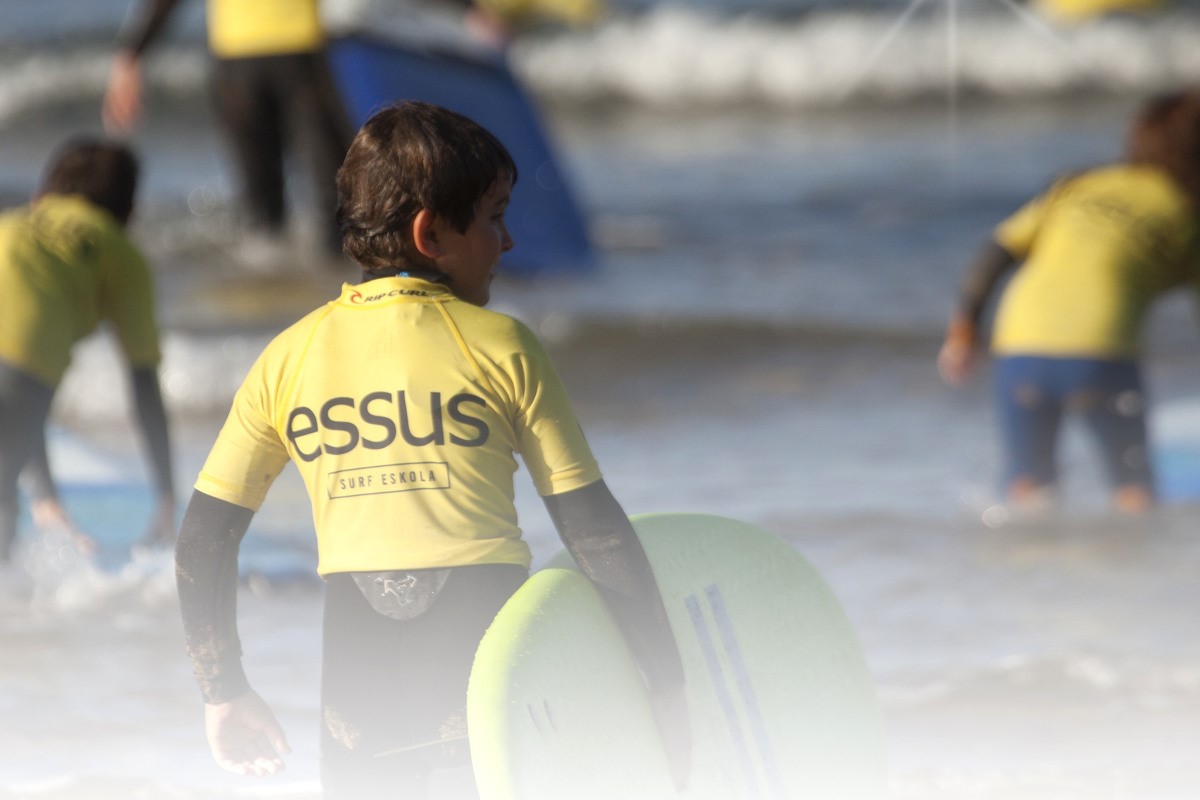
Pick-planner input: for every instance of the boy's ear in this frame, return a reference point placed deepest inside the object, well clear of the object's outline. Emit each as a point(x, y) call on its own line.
point(425, 227)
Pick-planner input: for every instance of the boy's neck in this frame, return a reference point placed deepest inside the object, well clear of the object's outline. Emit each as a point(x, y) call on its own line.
point(423, 273)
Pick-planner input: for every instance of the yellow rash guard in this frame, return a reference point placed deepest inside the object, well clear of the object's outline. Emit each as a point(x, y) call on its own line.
point(66, 265)
point(571, 12)
point(1098, 248)
point(402, 407)
point(246, 28)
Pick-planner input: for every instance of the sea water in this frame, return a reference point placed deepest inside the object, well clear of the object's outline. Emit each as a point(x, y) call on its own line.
point(784, 198)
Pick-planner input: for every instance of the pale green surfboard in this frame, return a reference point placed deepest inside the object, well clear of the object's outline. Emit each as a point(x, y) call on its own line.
point(781, 702)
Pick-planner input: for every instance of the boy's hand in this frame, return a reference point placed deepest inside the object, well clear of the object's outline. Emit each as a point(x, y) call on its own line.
point(244, 736)
point(123, 97)
point(50, 515)
point(487, 28)
point(674, 725)
point(956, 360)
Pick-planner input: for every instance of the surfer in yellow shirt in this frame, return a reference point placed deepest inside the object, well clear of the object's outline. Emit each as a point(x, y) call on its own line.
point(1095, 251)
point(65, 266)
point(274, 95)
point(403, 404)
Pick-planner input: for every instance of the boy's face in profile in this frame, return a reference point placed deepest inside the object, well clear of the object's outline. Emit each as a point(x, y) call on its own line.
point(470, 258)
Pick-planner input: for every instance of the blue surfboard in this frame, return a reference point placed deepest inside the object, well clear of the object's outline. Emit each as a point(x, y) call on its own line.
point(543, 216)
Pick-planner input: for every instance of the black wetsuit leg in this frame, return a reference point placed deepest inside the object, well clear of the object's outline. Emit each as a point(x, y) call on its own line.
point(24, 407)
point(323, 133)
point(270, 105)
point(390, 686)
point(251, 111)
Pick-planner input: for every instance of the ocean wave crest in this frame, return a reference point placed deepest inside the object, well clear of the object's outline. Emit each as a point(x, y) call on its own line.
point(34, 79)
point(683, 58)
point(680, 58)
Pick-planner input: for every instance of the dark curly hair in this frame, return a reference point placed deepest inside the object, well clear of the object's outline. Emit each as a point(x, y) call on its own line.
point(1166, 133)
point(407, 157)
point(102, 171)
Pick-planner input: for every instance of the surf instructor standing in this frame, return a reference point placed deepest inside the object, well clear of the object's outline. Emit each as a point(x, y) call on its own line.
point(403, 404)
point(272, 89)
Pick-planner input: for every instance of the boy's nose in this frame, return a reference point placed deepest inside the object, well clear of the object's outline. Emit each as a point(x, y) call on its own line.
point(507, 243)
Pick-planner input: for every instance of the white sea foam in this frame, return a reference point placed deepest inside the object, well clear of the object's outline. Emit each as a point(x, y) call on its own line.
point(678, 57)
point(683, 58)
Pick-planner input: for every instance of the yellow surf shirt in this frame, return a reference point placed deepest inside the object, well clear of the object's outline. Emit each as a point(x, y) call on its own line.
point(403, 407)
point(572, 12)
point(246, 28)
point(1098, 249)
point(66, 265)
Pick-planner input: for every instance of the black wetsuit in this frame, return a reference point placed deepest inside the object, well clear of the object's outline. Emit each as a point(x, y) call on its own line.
point(372, 741)
point(24, 406)
point(270, 105)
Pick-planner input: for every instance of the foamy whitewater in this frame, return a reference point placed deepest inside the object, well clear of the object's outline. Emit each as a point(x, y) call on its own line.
point(784, 197)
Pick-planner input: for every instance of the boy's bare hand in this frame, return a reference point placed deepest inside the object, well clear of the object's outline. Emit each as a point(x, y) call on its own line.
point(50, 515)
point(960, 351)
point(244, 736)
point(123, 97)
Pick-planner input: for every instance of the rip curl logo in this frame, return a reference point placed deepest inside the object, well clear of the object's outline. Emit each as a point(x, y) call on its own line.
point(358, 298)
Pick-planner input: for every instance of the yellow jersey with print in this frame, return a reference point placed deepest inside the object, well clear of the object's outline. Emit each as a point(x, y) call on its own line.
point(403, 408)
point(247, 28)
point(1098, 248)
point(65, 266)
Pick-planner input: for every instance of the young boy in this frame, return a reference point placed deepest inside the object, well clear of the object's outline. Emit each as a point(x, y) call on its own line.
point(1097, 249)
point(402, 403)
point(65, 266)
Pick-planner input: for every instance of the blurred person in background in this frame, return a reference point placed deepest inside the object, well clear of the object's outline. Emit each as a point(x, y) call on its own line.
point(1092, 252)
point(274, 95)
point(66, 265)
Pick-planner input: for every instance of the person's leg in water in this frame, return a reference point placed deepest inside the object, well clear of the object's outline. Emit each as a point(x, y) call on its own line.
point(252, 116)
point(321, 130)
point(1030, 415)
point(394, 691)
point(1115, 413)
point(24, 407)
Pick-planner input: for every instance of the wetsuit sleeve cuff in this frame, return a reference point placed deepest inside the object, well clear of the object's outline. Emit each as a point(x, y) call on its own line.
point(222, 683)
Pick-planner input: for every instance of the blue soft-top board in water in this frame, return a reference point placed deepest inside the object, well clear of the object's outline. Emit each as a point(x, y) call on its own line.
point(543, 216)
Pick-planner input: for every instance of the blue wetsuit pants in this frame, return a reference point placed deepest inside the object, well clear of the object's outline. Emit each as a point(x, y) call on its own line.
point(1035, 393)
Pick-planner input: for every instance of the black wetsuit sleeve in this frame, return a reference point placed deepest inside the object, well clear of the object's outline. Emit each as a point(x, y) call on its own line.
point(206, 572)
point(38, 480)
point(145, 24)
point(599, 536)
point(152, 417)
point(981, 278)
